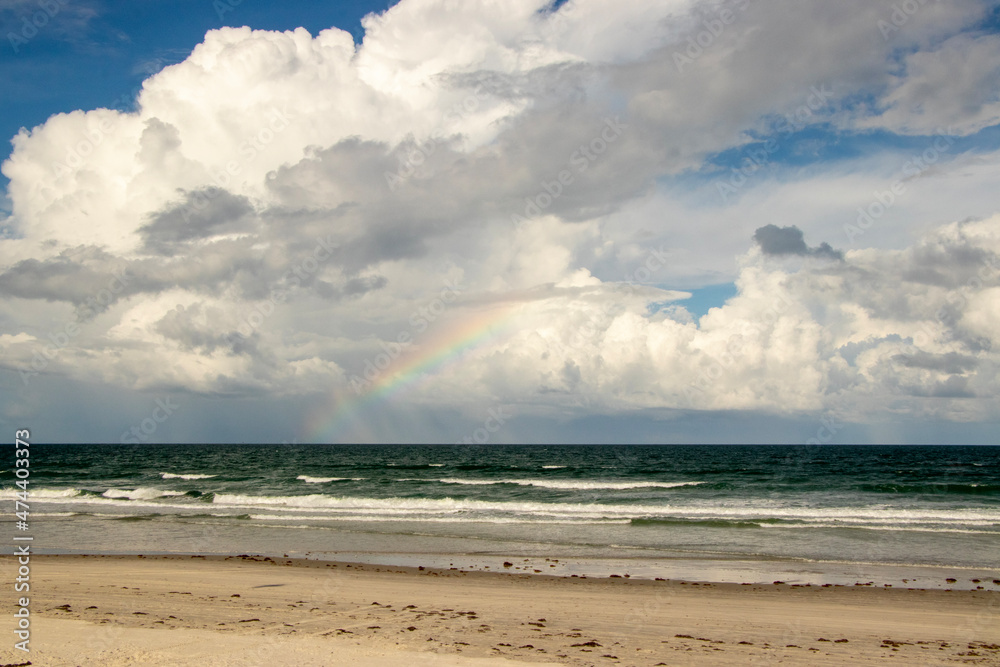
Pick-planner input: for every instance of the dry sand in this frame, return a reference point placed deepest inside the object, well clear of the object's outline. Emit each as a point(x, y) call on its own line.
point(110, 611)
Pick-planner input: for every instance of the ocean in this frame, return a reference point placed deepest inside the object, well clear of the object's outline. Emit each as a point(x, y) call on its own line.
point(740, 513)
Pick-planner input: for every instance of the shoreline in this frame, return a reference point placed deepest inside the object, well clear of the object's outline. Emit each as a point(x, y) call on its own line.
point(721, 570)
point(212, 610)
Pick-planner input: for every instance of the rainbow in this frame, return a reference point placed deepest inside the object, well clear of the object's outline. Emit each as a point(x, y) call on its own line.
point(444, 347)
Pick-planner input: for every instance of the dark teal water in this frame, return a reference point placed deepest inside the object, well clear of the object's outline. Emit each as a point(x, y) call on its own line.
point(923, 505)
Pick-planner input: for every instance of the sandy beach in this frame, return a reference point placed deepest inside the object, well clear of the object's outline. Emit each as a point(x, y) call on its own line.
point(231, 610)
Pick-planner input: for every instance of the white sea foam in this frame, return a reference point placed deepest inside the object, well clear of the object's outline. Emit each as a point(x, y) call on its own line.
point(322, 502)
point(116, 502)
point(141, 493)
point(569, 484)
point(170, 475)
point(379, 518)
point(324, 480)
point(319, 505)
point(553, 467)
point(909, 528)
point(45, 494)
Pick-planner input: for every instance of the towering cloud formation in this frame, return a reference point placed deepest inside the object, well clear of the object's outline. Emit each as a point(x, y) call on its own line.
point(283, 208)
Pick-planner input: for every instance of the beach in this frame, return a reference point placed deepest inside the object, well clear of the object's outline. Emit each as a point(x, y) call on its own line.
point(257, 610)
point(393, 555)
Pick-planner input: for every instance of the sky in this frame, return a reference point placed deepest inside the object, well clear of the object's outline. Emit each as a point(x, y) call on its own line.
point(638, 221)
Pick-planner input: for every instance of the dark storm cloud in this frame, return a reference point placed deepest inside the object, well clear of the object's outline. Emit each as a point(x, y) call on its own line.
point(190, 327)
point(561, 80)
point(73, 276)
point(93, 280)
point(951, 363)
point(948, 266)
point(382, 203)
point(774, 240)
point(203, 214)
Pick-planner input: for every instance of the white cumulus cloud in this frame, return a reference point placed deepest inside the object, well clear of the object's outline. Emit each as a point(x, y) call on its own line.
point(282, 208)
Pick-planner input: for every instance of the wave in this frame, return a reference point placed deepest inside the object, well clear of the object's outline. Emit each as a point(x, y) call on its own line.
point(170, 475)
point(327, 503)
point(709, 523)
point(325, 480)
point(43, 494)
point(933, 488)
point(723, 514)
point(413, 466)
point(915, 526)
point(369, 518)
point(907, 529)
point(552, 467)
point(141, 493)
point(566, 485)
point(94, 498)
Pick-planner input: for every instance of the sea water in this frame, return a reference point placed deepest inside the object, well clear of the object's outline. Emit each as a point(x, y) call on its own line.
point(646, 509)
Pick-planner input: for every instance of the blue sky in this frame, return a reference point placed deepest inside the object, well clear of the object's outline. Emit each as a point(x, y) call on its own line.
point(682, 221)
